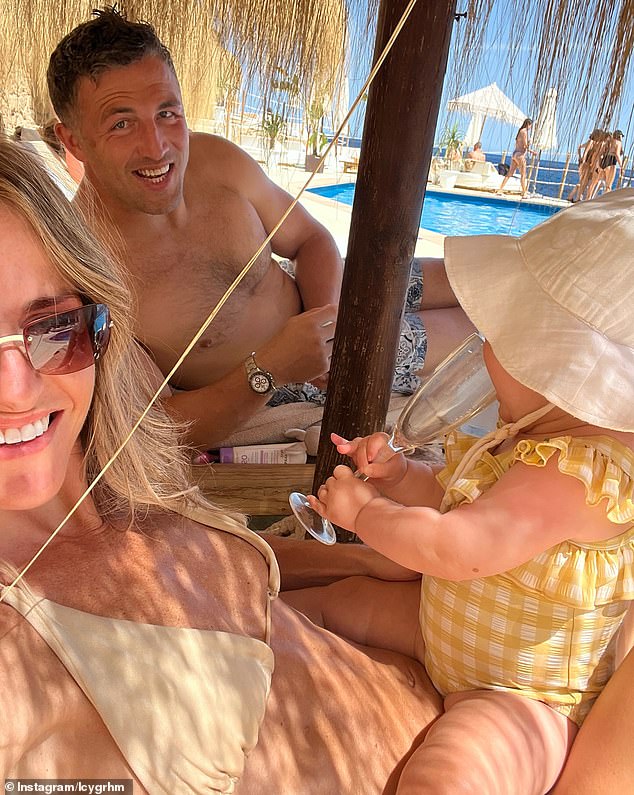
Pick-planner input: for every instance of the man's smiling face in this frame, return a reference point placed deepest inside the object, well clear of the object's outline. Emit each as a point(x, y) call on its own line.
point(129, 130)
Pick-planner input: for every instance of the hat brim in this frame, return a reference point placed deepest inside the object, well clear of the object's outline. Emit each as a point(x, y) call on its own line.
point(537, 341)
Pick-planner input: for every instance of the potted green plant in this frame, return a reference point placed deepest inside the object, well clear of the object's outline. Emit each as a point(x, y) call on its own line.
point(451, 142)
point(317, 141)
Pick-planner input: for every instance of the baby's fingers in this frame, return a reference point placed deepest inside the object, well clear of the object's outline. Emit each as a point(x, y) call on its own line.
point(341, 472)
point(377, 450)
point(316, 505)
point(344, 446)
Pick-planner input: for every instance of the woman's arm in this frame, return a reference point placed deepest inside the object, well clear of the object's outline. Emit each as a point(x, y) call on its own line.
point(619, 153)
point(306, 564)
point(601, 761)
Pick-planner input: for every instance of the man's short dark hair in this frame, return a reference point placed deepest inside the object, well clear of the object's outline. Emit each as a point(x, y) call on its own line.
point(105, 42)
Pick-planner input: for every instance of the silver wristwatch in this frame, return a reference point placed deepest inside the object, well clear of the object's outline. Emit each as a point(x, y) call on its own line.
point(260, 381)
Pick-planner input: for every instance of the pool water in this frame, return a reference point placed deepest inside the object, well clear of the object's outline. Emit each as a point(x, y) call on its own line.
point(455, 214)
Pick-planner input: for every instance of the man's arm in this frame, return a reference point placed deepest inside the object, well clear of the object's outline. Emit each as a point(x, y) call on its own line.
point(300, 352)
point(305, 564)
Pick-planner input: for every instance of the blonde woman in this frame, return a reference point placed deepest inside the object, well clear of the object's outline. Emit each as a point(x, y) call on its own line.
point(140, 643)
point(585, 154)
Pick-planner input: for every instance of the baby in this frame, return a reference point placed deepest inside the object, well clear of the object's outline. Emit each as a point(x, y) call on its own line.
point(525, 538)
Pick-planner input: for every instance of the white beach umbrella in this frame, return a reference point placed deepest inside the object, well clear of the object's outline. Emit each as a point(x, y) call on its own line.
point(486, 102)
point(545, 130)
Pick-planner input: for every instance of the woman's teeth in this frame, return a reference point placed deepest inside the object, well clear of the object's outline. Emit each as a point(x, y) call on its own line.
point(26, 433)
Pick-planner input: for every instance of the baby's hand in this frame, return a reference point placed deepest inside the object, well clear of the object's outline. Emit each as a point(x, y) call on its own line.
point(342, 497)
point(373, 457)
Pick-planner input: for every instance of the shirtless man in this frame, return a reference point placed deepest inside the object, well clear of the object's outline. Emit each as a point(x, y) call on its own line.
point(476, 153)
point(191, 209)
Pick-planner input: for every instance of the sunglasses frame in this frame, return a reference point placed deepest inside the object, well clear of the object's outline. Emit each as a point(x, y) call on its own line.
point(99, 337)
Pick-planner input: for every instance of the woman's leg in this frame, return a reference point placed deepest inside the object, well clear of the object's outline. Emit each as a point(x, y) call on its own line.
point(490, 743)
point(593, 183)
point(577, 192)
point(585, 175)
point(367, 611)
point(601, 761)
point(509, 174)
point(523, 177)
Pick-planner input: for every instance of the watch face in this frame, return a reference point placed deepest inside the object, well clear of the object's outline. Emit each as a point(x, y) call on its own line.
point(260, 382)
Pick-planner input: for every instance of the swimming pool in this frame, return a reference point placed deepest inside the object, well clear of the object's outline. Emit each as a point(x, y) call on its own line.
point(455, 214)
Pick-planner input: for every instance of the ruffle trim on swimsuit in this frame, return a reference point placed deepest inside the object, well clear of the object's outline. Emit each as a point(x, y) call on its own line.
point(582, 575)
point(603, 465)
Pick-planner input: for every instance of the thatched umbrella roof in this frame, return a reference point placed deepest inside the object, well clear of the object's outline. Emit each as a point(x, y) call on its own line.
point(302, 37)
point(580, 47)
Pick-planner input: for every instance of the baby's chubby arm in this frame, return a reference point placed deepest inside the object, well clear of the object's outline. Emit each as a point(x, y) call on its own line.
point(526, 512)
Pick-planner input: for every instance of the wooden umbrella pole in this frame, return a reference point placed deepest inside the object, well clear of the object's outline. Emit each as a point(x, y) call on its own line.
point(400, 121)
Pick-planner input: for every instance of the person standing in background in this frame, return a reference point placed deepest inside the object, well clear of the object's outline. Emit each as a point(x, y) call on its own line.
point(518, 158)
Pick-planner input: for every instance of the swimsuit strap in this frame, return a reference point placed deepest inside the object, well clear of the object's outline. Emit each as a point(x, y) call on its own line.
point(488, 441)
point(227, 525)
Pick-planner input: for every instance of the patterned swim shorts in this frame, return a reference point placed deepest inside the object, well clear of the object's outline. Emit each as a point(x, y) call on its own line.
point(410, 358)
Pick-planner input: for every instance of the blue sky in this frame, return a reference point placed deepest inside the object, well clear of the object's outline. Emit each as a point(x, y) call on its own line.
point(515, 82)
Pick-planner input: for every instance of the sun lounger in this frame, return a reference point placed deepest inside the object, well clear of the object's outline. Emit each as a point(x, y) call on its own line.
point(470, 174)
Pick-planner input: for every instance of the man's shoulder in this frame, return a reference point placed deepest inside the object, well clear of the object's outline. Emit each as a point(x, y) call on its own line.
point(215, 162)
point(207, 151)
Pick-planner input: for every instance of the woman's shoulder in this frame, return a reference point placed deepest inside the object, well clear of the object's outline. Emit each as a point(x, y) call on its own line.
point(202, 518)
point(196, 532)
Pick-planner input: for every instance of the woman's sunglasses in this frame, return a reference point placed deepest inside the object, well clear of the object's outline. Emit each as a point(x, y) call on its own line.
point(66, 342)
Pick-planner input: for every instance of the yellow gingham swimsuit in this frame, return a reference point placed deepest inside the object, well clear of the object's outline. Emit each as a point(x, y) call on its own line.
point(545, 629)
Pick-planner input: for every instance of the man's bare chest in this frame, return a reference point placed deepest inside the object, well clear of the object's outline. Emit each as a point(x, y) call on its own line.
point(184, 273)
point(209, 252)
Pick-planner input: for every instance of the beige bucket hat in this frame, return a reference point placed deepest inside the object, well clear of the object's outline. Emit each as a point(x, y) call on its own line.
point(557, 305)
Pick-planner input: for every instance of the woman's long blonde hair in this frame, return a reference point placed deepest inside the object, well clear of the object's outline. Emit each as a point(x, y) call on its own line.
point(152, 471)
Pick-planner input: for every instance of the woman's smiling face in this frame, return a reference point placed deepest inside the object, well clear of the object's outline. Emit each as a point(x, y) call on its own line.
point(41, 416)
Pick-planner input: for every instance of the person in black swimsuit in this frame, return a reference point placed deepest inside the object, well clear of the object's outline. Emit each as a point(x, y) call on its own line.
point(612, 158)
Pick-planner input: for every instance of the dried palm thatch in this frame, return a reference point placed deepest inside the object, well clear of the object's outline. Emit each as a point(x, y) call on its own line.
point(583, 48)
point(213, 43)
point(580, 47)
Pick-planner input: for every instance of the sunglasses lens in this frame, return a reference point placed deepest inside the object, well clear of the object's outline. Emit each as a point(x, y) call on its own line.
point(68, 342)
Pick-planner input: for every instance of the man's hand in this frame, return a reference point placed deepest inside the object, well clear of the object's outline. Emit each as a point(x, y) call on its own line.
point(342, 497)
point(302, 350)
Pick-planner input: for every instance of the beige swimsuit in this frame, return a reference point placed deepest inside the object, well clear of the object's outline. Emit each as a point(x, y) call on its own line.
point(183, 705)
